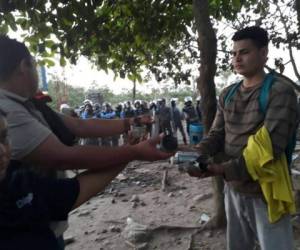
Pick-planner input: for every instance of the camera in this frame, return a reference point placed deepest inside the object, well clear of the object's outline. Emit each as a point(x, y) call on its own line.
point(201, 162)
point(188, 161)
point(168, 142)
point(138, 130)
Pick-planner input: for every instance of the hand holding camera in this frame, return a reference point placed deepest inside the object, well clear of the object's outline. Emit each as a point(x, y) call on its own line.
point(168, 142)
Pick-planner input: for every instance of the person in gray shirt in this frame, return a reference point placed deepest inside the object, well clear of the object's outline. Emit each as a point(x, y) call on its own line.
point(32, 139)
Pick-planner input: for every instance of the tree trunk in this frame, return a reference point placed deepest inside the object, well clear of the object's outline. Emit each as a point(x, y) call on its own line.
point(134, 91)
point(207, 43)
point(297, 8)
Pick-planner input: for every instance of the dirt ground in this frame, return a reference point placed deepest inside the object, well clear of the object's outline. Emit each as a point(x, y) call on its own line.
point(135, 212)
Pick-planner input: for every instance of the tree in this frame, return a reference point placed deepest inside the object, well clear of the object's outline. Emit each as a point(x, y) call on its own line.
point(60, 93)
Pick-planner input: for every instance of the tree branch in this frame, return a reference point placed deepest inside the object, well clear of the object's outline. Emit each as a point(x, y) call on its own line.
point(297, 8)
point(289, 43)
point(289, 80)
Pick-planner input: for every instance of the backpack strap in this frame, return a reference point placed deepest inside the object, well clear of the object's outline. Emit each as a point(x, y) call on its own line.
point(55, 123)
point(264, 92)
point(263, 103)
point(231, 92)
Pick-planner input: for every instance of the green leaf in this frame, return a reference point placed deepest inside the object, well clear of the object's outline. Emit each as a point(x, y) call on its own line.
point(131, 77)
point(10, 20)
point(236, 4)
point(49, 43)
point(4, 29)
point(48, 62)
point(139, 78)
point(62, 61)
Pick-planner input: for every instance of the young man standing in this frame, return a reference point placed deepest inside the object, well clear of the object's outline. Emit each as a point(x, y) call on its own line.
point(239, 117)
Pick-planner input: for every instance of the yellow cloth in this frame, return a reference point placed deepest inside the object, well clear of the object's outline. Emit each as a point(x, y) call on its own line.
point(272, 175)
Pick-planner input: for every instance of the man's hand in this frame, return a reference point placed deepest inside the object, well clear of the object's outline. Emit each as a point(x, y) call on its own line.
point(142, 119)
point(212, 170)
point(132, 140)
point(147, 150)
point(146, 119)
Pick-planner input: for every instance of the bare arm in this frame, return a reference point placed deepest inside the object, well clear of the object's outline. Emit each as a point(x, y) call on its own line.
point(96, 127)
point(51, 153)
point(93, 182)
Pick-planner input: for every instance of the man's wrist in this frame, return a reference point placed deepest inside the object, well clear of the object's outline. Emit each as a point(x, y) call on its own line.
point(133, 152)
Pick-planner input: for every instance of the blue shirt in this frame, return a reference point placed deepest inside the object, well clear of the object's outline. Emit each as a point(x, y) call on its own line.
point(108, 115)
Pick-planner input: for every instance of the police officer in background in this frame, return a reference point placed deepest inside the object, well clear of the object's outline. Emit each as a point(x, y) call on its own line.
point(164, 117)
point(176, 120)
point(108, 113)
point(190, 113)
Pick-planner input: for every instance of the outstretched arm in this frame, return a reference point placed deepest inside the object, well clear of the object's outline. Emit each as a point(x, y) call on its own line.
point(101, 127)
point(51, 153)
point(96, 127)
point(93, 182)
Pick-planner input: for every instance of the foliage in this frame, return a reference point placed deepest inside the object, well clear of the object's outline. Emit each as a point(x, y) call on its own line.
point(63, 93)
point(74, 96)
point(124, 36)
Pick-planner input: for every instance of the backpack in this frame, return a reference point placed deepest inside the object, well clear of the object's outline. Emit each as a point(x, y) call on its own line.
point(263, 102)
point(55, 123)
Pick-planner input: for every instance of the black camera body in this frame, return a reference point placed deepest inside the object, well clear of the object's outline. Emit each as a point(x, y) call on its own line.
point(169, 142)
point(201, 162)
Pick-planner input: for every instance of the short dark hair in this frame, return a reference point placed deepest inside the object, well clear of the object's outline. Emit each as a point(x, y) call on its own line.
point(12, 53)
point(258, 35)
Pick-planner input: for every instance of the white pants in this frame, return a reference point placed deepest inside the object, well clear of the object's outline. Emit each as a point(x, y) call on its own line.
point(247, 223)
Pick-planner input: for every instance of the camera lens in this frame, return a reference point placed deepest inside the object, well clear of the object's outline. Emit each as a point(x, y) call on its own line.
point(202, 162)
point(169, 143)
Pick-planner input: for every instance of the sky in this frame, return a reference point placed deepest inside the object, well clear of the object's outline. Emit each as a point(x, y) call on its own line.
point(84, 74)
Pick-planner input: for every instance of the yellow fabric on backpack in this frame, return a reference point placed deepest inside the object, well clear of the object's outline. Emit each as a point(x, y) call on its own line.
point(272, 175)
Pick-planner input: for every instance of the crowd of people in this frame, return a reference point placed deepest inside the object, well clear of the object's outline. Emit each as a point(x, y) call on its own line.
point(253, 130)
point(167, 118)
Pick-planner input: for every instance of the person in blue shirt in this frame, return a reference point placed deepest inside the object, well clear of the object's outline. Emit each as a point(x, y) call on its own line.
point(128, 110)
point(97, 110)
point(107, 114)
point(119, 111)
point(88, 113)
